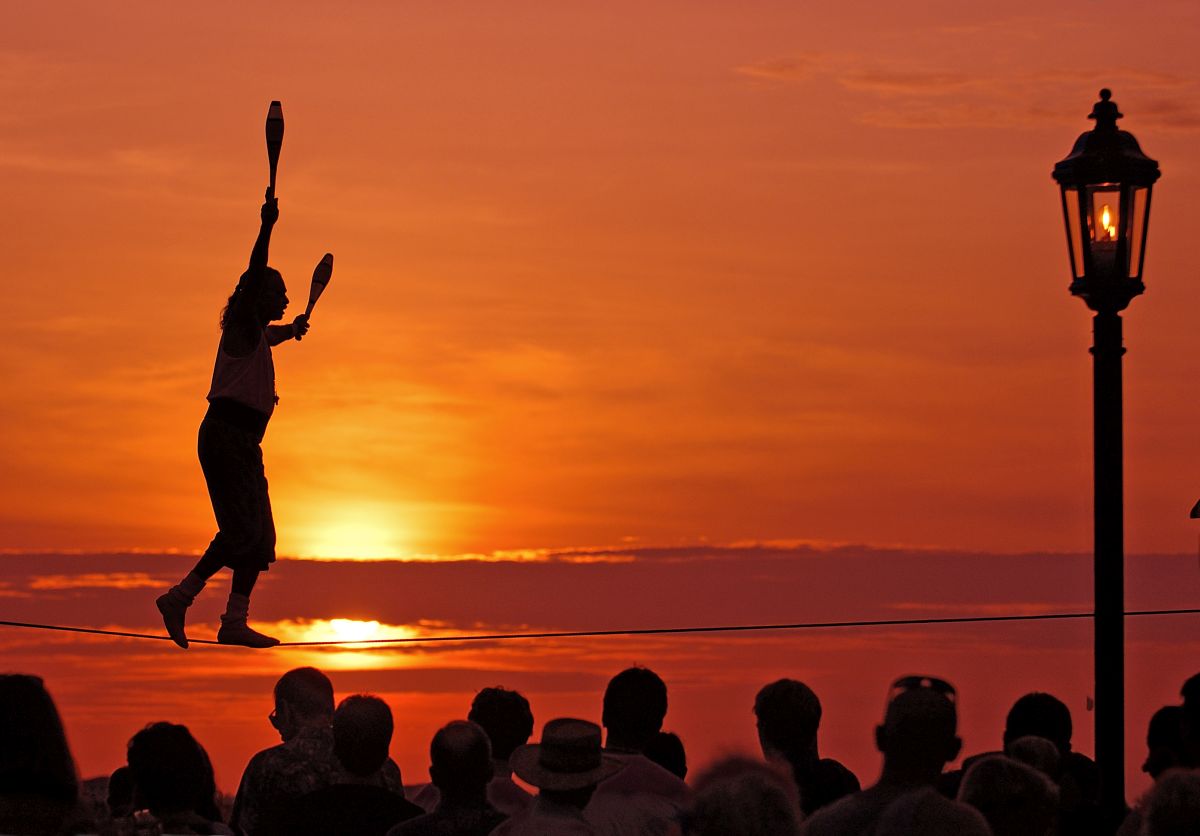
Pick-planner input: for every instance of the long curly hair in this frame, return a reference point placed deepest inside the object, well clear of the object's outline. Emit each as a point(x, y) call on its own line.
point(242, 304)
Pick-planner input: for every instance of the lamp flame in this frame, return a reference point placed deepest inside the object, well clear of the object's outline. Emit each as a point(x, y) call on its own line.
point(1106, 224)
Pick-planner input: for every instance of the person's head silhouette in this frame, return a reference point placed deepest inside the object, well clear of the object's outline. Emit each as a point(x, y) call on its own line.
point(303, 699)
point(1190, 692)
point(1043, 715)
point(1037, 752)
point(34, 755)
point(635, 704)
point(1172, 807)
point(362, 734)
point(460, 761)
point(1165, 741)
point(35, 760)
point(1191, 719)
point(918, 736)
point(119, 798)
point(258, 299)
point(1015, 798)
point(506, 718)
point(666, 750)
point(171, 772)
point(737, 796)
point(788, 714)
point(567, 764)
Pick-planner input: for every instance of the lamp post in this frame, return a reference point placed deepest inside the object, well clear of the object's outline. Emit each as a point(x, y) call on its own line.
point(1106, 182)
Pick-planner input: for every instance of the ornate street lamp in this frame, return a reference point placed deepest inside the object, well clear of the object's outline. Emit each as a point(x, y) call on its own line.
point(1106, 182)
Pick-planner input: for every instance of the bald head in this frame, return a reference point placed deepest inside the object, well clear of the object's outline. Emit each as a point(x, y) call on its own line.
point(460, 759)
point(307, 691)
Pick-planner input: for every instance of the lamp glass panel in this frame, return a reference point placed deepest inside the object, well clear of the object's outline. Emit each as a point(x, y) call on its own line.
point(1075, 227)
point(1137, 239)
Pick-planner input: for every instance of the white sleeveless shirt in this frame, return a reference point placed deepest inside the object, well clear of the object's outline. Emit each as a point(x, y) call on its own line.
point(249, 380)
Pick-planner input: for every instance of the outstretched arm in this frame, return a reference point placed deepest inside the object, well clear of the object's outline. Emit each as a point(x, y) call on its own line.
point(277, 334)
point(269, 214)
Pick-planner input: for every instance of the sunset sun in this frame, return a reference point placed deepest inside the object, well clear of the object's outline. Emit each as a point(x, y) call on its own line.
point(350, 630)
point(355, 533)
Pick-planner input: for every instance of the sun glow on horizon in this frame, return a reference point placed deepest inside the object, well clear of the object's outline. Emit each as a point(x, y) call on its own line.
point(350, 630)
point(354, 644)
point(353, 533)
point(342, 630)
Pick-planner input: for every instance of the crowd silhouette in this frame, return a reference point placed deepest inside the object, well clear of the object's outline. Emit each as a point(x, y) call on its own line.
point(331, 774)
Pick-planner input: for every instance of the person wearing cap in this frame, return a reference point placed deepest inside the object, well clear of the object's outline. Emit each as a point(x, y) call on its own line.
point(565, 766)
point(917, 738)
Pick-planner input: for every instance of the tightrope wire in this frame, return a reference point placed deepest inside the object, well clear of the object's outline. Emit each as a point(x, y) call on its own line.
point(647, 631)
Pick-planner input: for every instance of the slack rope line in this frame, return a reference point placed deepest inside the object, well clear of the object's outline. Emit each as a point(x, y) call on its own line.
point(647, 631)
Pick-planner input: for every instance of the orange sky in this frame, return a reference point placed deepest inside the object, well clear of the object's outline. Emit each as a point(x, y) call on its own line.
point(625, 275)
point(603, 271)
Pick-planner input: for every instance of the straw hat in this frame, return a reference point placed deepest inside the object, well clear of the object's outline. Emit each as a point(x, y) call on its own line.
point(568, 758)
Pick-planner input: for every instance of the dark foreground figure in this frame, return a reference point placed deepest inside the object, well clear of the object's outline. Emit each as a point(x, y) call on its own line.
point(460, 765)
point(332, 775)
point(354, 802)
point(306, 761)
point(240, 403)
point(917, 738)
point(788, 715)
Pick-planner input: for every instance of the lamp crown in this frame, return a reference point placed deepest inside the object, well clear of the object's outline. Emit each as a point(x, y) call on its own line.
point(1106, 154)
point(1105, 112)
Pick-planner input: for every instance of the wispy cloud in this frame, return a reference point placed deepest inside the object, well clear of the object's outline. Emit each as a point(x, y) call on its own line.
point(1172, 114)
point(799, 67)
point(914, 92)
point(96, 580)
point(114, 164)
point(908, 81)
point(6, 591)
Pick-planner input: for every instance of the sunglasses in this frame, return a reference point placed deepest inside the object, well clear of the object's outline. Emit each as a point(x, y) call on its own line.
point(916, 683)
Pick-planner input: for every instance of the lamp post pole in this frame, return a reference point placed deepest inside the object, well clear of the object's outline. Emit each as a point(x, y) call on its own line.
point(1109, 560)
point(1106, 182)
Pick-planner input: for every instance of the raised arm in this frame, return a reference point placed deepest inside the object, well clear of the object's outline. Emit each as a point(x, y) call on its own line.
point(269, 214)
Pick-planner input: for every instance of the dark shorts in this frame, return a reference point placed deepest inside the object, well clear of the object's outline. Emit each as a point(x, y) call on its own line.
point(232, 461)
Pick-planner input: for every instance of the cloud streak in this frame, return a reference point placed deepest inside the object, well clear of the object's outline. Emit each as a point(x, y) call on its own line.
point(223, 693)
point(1000, 97)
